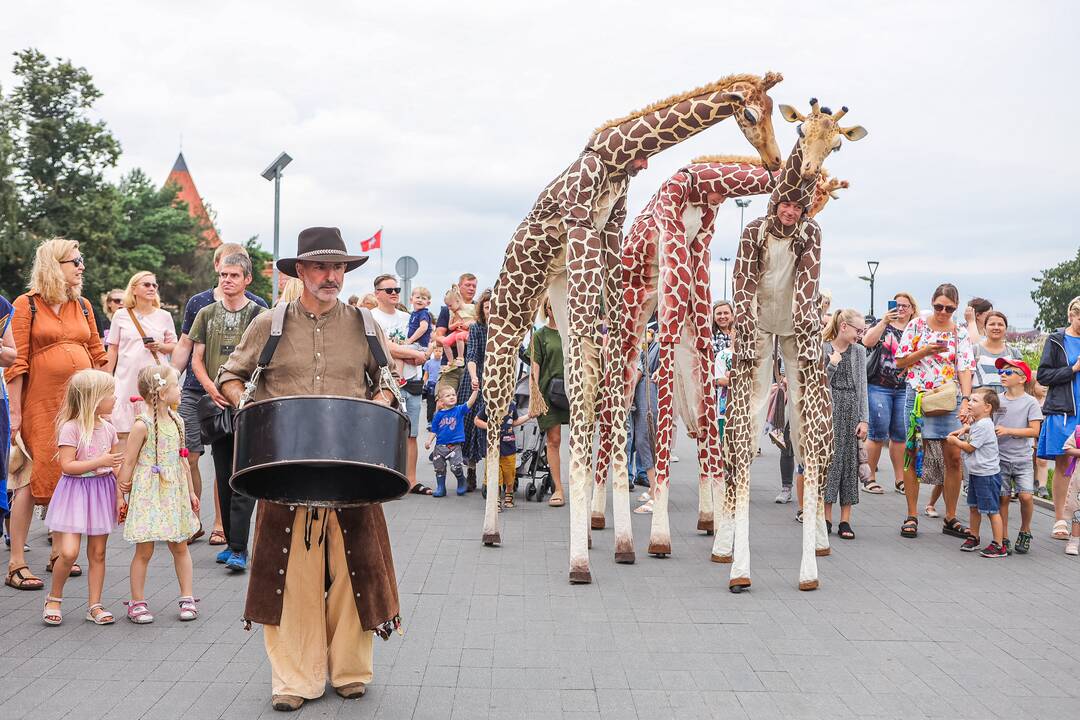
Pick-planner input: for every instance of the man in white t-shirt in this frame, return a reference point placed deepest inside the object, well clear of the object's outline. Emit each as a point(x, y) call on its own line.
point(395, 323)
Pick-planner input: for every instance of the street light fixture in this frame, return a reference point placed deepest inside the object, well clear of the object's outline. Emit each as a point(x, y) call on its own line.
point(743, 203)
point(725, 260)
point(274, 173)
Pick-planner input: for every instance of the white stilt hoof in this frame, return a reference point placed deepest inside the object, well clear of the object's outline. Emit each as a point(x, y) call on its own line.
point(725, 559)
point(808, 585)
point(823, 552)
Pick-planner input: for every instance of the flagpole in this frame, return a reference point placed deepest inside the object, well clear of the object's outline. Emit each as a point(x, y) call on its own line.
point(380, 251)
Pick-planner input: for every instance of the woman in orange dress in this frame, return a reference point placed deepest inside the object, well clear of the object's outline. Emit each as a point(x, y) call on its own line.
point(56, 336)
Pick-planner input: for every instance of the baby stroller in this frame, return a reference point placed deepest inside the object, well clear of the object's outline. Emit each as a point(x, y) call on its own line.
point(532, 451)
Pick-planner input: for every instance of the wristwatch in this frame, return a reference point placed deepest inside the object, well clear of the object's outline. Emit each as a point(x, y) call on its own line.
point(965, 397)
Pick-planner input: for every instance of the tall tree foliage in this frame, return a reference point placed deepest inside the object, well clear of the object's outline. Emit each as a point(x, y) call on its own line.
point(53, 160)
point(1056, 287)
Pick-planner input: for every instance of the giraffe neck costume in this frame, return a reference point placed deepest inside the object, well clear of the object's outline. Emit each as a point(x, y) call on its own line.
point(568, 245)
point(776, 296)
point(666, 263)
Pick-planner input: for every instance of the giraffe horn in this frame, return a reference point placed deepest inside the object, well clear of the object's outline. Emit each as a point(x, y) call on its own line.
point(770, 79)
point(840, 113)
point(814, 109)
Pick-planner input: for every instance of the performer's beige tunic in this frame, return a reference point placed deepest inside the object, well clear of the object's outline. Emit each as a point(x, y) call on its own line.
point(310, 631)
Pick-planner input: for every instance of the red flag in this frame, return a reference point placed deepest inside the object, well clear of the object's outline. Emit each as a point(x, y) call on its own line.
point(372, 243)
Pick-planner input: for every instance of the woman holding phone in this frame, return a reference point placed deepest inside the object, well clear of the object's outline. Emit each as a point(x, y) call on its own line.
point(936, 354)
point(141, 334)
point(887, 389)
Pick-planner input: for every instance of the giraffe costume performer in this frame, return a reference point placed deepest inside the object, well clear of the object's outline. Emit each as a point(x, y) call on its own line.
point(775, 291)
point(568, 245)
point(665, 262)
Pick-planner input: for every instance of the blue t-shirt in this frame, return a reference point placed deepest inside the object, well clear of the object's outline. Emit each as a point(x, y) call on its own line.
point(415, 318)
point(432, 367)
point(507, 438)
point(194, 304)
point(450, 425)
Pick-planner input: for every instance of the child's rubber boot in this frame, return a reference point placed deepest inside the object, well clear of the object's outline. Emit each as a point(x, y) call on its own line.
point(462, 483)
point(440, 486)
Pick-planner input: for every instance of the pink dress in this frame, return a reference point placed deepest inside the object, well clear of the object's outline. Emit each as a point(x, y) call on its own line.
point(132, 356)
point(85, 504)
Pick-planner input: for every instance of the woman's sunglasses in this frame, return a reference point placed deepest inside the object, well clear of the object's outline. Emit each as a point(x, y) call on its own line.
point(115, 301)
point(149, 285)
point(944, 308)
point(76, 261)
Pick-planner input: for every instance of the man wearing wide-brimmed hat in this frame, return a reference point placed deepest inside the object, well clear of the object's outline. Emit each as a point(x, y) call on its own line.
point(313, 630)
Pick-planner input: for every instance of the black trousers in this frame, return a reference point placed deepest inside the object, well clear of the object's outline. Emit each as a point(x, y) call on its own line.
point(236, 509)
point(787, 460)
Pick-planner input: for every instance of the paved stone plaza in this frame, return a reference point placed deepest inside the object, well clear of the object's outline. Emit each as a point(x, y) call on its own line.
point(899, 628)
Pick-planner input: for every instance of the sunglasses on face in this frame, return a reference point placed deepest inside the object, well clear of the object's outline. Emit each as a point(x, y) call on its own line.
point(1006, 373)
point(944, 308)
point(76, 261)
point(115, 301)
point(149, 285)
point(391, 291)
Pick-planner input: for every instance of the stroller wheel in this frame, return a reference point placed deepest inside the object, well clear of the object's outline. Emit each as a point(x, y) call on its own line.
point(530, 490)
point(483, 491)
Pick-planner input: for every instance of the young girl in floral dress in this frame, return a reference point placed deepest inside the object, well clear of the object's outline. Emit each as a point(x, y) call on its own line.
point(162, 505)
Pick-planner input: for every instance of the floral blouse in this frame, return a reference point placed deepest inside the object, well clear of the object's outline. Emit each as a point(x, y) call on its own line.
point(935, 370)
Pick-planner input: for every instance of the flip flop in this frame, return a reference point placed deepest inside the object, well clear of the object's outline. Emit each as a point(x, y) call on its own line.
point(873, 488)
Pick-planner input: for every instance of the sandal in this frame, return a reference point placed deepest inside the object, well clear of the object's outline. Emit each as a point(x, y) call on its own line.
point(197, 535)
point(508, 500)
point(910, 528)
point(49, 617)
point(1060, 531)
point(558, 501)
point(98, 615)
point(930, 511)
point(644, 508)
point(844, 531)
point(138, 613)
point(899, 485)
point(217, 537)
point(188, 611)
point(76, 570)
point(828, 527)
point(420, 489)
point(644, 497)
point(21, 578)
point(798, 516)
point(953, 527)
point(873, 488)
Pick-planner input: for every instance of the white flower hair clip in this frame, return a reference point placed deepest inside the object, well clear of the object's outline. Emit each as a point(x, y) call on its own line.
point(160, 380)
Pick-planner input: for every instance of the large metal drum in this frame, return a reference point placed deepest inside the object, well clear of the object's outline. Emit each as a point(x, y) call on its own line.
point(320, 450)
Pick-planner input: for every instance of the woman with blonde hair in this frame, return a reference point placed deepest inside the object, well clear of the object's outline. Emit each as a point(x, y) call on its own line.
point(142, 334)
point(110, 302)
point(55, 336)
point(293, 288)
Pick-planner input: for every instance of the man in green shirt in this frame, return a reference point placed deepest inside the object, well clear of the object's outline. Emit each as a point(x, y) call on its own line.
point(214, 335)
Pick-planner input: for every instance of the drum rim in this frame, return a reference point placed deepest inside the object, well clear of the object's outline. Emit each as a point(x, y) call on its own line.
point(320, 397)
point(357, 463)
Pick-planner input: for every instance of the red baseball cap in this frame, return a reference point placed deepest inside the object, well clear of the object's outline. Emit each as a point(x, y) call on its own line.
point(1018, 364)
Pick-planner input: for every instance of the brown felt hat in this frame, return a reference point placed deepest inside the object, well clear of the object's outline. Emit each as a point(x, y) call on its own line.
point(320, 244)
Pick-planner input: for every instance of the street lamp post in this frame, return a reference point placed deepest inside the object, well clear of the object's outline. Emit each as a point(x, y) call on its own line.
point(725, 260)
point(274, 173)
point(743, 203)
point(873, 265)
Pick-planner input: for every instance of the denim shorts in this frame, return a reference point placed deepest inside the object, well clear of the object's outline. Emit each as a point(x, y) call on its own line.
point(984, 493)
point(887, 418)
point(934, 428)
point(1019, 475)
point(189, 412)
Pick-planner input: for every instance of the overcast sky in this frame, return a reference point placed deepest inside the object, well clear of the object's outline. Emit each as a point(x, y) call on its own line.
point(442, 121)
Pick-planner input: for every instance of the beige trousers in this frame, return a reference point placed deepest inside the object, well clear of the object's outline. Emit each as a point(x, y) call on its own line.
point(320, 632)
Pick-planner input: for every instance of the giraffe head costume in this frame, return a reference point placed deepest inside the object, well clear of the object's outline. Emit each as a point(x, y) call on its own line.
point(568, 245)
point(776, 298)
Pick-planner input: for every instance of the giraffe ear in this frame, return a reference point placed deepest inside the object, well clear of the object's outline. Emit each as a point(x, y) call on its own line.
point(733, 97)
point(854, 133)
point(791, 114)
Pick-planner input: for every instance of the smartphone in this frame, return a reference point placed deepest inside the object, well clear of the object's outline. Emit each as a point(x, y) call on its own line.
point(147, 340)
point(892, 305)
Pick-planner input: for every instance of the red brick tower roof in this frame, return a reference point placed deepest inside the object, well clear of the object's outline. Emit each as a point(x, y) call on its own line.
point(181, 177)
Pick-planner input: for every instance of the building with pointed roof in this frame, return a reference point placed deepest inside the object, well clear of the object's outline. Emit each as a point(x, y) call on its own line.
point(180, 176)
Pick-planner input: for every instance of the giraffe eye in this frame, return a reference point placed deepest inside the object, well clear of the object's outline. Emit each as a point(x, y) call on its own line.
point(750, 115)
point(836, 145)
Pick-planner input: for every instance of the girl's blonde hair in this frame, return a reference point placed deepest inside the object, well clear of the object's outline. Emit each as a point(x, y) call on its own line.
point(129, 292)
point(292, 290)
point(85, 390)
point(846, 315)
point(452, 294)
point(47, 276)
point(151, 382)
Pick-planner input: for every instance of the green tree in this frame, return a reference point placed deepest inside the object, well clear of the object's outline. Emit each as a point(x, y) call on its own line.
point(16, 247)
point(1056, 287)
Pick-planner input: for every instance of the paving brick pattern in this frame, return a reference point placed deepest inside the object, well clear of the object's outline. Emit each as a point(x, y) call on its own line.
point(899, 628)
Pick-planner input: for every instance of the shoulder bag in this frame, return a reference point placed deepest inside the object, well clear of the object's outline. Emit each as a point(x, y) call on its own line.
point(942, 399)
point(142, 333)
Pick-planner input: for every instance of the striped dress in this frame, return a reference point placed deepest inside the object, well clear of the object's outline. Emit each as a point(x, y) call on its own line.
point(475, 439)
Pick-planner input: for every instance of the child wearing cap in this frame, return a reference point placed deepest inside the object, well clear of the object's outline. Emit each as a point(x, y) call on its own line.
point(1017, 425)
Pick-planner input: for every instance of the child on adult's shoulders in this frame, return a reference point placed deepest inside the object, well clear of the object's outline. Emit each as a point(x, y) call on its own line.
point(979, 445)
point(449, 435)
point(1018, 424)
point(507, 450)
point(462, 316)
point(421, 323)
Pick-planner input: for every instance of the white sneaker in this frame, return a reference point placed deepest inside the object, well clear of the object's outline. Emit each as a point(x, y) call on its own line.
point(674, 457)
point(784, 497)
point(1073, 546)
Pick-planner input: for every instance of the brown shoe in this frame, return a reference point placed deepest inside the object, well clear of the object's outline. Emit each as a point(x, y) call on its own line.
point(352, 690)
point(286, 703)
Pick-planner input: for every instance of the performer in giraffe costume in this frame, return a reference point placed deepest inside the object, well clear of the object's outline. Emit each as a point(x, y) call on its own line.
point(776, 296)
point(666, 261)
point(570, 241)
